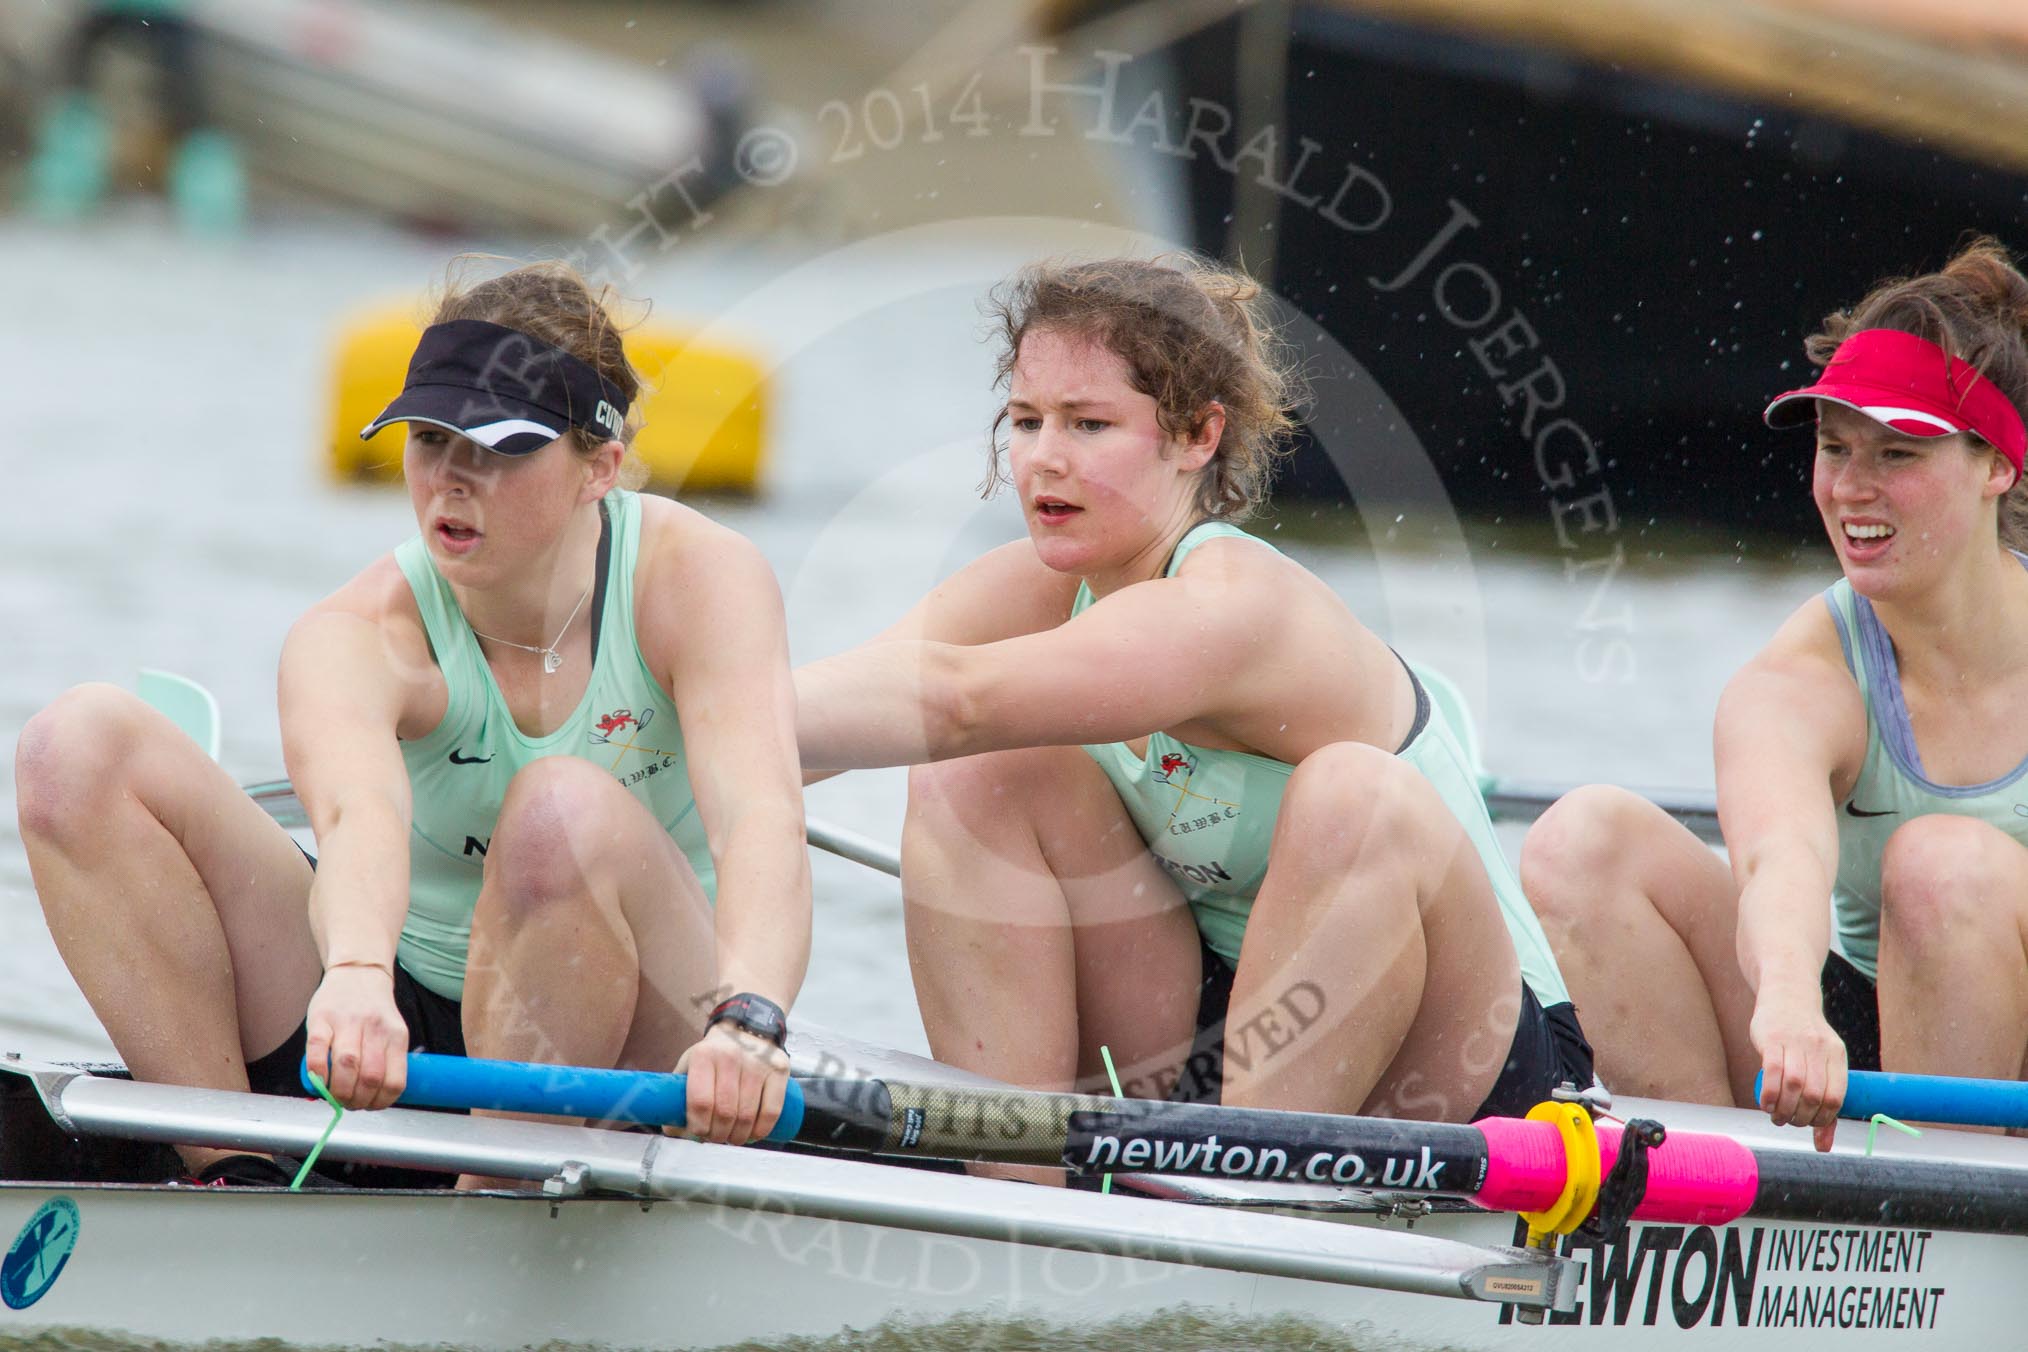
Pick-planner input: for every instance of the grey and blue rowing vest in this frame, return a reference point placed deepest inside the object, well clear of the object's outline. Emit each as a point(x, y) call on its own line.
point(1891, 788)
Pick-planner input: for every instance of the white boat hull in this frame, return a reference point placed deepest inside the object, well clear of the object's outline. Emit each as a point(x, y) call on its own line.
point(500, 1272)
point(717, 1245)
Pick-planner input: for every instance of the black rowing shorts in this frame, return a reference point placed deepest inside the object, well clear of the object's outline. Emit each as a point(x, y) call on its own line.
point(1548, 1048)
point(435, 1024)
point(1852, 1008)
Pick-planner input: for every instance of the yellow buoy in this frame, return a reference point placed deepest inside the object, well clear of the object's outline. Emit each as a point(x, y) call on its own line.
point(702, 417)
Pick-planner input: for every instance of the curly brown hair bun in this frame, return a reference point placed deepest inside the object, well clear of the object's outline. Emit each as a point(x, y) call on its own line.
point(1191, 333)
point(1976, 309)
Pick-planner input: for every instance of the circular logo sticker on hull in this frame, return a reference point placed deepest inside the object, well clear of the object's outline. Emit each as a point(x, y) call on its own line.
point(36, 1258)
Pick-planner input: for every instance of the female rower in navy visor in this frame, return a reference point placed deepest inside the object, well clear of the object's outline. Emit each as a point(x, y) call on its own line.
point(1872, 759)
point(535, 743)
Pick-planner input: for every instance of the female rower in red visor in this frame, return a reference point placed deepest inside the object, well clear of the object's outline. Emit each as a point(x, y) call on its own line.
point(1872, 759)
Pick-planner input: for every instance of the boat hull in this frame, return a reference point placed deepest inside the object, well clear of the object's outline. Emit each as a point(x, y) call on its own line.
point(497, 1271)
point(715, 1245)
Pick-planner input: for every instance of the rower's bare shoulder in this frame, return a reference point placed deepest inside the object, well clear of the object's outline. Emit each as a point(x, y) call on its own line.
point(683, 546)
point(669, 527)
point(1250, 591)
point(367, 635)
point(1250, 564)
point(1798, 681)
point(1806, 651)
point(1309, 661)
point(380, 595)
point(695, 576)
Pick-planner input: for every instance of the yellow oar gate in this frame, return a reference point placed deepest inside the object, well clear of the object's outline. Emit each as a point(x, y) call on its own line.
point(1580, 1177)
point(703, 416)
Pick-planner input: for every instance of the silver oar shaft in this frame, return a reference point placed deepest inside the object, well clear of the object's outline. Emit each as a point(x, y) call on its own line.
point(431, 1142)
point(770, 1185)
point(855, 847)
point(278, 797)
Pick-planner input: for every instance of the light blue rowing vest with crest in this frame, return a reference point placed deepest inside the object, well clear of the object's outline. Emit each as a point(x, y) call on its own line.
point(459, 772)
point(1208, 815)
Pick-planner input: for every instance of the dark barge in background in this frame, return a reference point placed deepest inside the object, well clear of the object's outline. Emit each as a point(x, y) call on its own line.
point(1658, 198)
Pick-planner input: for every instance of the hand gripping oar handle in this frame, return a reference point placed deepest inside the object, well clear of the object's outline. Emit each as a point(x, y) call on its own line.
point(564, 1091)
point(1931, 1098)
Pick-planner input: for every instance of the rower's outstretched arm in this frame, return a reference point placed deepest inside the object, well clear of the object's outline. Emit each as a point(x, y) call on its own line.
point(1005, 593)
point(725, 655)
point(1149, 656)
point(1786, 731)
point(341, 701)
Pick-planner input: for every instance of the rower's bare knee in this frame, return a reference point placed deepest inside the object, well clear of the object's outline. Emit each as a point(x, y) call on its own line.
point(71, 759)
point(555, 836)
point(1581, 842)
point(1940, 876)
point(1000, 795)
point(1350, 805)
point(956, 789)
point(983, 787)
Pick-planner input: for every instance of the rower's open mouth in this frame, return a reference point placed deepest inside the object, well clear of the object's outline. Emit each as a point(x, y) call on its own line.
point(1052, 510)
point(1867, 534)
point(455, 533)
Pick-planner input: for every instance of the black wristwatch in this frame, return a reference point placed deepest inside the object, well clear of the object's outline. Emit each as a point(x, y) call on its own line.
point(755, 1014)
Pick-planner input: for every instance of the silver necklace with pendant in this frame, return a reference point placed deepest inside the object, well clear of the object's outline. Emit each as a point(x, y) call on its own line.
point(551, 658)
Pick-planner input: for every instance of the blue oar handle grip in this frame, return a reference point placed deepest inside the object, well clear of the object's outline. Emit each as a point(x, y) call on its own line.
point(1931, 1098)
point(1936, 1098)
point(563, 1091)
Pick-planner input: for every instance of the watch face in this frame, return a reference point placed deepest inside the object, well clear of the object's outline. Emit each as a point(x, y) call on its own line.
point(757, 1016)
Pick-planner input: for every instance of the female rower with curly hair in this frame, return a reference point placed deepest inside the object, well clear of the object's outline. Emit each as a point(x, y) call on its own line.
point(1159, 764)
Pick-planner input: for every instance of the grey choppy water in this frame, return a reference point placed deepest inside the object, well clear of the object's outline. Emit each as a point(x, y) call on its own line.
point(162, 504)
point(1176, 1331)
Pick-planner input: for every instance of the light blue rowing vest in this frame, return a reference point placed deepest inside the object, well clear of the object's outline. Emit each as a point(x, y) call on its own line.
point(1208, 816)
point(459, 772)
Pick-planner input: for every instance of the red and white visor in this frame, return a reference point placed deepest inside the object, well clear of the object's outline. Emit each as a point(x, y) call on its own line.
point(1914, 387)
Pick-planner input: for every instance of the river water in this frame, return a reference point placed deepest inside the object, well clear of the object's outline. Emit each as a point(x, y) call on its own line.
point(163, 504)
